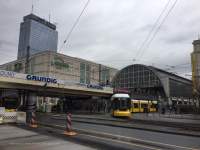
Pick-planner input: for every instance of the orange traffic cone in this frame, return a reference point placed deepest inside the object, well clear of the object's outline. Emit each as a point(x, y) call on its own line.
point(68, 131)
point(33, 123)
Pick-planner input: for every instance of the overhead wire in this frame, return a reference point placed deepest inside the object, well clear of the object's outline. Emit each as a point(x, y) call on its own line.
point(162, 22)
point(153, 28)
point(75, 23)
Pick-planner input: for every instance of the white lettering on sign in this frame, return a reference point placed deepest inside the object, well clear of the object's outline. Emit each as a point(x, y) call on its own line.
point(4, 73)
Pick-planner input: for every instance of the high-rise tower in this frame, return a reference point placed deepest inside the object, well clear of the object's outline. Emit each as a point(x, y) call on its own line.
point(38, 34)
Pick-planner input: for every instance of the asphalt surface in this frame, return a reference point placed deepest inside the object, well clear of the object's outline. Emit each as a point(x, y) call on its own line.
point(155, 126)
point(25, 138)
point(151, 117)
point(171, 140)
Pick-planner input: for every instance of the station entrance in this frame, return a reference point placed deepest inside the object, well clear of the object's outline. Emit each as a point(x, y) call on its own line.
point(29, 101)
point(22, 93)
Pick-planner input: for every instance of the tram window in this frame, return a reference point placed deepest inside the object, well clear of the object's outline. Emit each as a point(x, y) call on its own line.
point(115, 103)
point(135, 105)
point(179, 102)
point(123, 103)
point(144, 105)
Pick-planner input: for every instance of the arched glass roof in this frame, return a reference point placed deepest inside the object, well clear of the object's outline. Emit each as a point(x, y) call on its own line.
point(135, 76)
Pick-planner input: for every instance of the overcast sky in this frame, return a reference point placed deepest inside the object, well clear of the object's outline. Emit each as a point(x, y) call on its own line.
point(110, 31)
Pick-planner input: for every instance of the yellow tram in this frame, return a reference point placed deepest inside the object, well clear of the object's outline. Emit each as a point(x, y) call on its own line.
point(121, 104)
point(143, 106)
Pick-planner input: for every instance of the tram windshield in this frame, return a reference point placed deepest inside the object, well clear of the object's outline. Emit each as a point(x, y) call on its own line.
point(121, 103)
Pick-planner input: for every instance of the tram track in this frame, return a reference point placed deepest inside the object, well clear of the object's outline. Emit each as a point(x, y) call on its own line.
point(175, 129)
point(130, 136)
point(132, 120)
point(131, 141)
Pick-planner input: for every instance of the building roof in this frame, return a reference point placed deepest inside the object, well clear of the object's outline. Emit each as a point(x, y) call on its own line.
point(169, 74)
point(139, 76)
point(40, 20)
point(59, 54)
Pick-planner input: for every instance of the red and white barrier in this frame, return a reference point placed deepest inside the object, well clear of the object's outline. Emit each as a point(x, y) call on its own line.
point(33, 123)
point(68, 131)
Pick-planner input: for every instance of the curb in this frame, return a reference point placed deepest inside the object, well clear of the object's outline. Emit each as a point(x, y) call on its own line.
point(131, 127)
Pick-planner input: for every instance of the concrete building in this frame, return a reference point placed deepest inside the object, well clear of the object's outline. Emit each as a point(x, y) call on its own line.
point(63, 67)
point(195, 59)
point(38, 34)
point(74, 72)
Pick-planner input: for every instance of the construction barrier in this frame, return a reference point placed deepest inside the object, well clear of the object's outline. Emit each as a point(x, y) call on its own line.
point(21, 117)
point(33, 123)
point(2, 112)
point(1, 119)
point(7, 117)
point(10, 117)
point(68, 131)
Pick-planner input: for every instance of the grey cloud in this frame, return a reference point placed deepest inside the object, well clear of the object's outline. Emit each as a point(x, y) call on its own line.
point(6, 43)
point(109, 32)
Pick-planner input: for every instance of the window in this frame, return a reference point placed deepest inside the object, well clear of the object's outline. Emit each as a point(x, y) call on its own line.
point(105, 75)
point(144, 105)
point(84, 73)
point(135, 105)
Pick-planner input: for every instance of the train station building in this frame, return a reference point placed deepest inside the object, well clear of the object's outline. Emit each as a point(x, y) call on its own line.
point(63, 67)
point(147, 82)
point(64, 70)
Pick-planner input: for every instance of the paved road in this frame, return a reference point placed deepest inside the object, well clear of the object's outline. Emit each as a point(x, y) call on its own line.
point(24, 138)
point(175, 141)
point(185, 118)
point(181, 129)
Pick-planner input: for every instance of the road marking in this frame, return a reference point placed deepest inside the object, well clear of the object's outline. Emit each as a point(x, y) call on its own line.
point(131, 138)
point(138, 145)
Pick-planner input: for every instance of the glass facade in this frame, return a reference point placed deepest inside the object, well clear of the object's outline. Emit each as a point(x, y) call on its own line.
point(146, 82)
point(136, 76)
point(84, 73)
point(105, 75)
point(37, 33)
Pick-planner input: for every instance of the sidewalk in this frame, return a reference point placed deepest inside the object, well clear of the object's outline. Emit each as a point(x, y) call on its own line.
point(16, 138)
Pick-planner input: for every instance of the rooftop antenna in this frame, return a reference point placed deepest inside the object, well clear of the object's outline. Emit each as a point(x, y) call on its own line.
point(32, 7)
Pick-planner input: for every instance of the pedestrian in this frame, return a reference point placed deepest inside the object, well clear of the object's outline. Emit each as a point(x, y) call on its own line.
point(163, 110)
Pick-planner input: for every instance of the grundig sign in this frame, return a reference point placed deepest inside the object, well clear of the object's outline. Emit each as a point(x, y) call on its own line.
point(42, 79)
point(12, 74)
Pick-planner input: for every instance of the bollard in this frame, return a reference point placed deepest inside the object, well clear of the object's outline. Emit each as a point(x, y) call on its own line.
point(68, 131)
point(33, 123)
